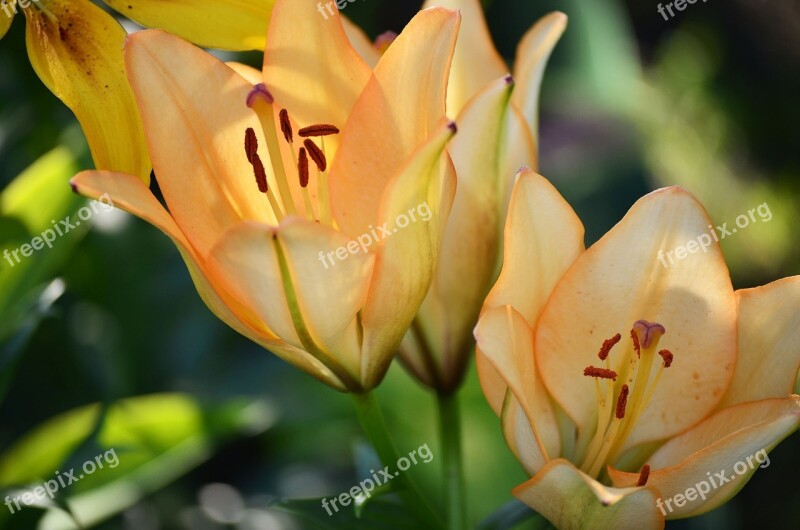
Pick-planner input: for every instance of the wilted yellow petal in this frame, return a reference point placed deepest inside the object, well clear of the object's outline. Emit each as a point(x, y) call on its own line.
point(223, 24)
point(620, 280)
point(76, 50)
point(769, 342)
point(572, 500)
point(6, 17)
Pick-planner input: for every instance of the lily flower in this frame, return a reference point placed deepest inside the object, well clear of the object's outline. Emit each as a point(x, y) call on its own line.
point(75, 47)
point(497, 117)
point(631, 391)
point(290, 199)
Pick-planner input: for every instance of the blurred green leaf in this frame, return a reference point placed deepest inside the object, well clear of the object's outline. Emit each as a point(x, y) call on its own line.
point(31, 204)
point(140, 445)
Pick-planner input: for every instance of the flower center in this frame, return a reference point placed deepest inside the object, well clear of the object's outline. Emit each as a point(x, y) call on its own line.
point(623, 396)
point(282, 204)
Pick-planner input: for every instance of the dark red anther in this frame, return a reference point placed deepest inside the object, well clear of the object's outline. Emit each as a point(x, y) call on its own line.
point(622, 402)
point(667, 356)
point(320, 129)
point(602, 373)
point(316, 155)
point(302, 167)
point(250, 144)
point(286, 126)
point(607, 345)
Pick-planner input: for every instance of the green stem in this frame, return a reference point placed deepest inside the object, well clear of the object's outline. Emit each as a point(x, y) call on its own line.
point(374, 426)
point(450, 432)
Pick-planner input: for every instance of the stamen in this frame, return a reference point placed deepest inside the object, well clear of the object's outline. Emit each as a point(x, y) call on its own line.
point(602, 373)
point(286, 126)
point(667, 356)
point(636, 345)
point(302, 168)
point(320, 129)
point(622, 402)
point(250, 143)
point(260, 100)
point(302, 171)
point(316, 154)
point(644, 475)
point(260, 173)
point(607, 345)
point(251, 150)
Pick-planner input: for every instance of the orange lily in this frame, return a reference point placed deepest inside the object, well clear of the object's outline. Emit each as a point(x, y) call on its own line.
point(497, 117)
point(76, 50)
point(253, 245)
point(704, 380)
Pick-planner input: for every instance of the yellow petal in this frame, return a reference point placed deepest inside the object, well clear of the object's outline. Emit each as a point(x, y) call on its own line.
point(194, 111)
point(130, 194)
point(769, 335)
point(310, 66)
point(572, 500)
point(470, 250)
point(250, 262)
point(506, 340)
point(252, 75)
point(361, 42)
point(492, 383)
point(223, 24)
point(533, 53)
point(414, 212)
point(76, 50)
point(6, 18)
point(330, 289)
point(723, 452)
point(402, 105)
point(476, 62)
point(543, 237)
point(519, 436)
point(620, 280)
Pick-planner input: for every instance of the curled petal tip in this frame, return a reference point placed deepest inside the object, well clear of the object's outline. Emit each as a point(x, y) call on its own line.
point(73, 186)
point(259, 91)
